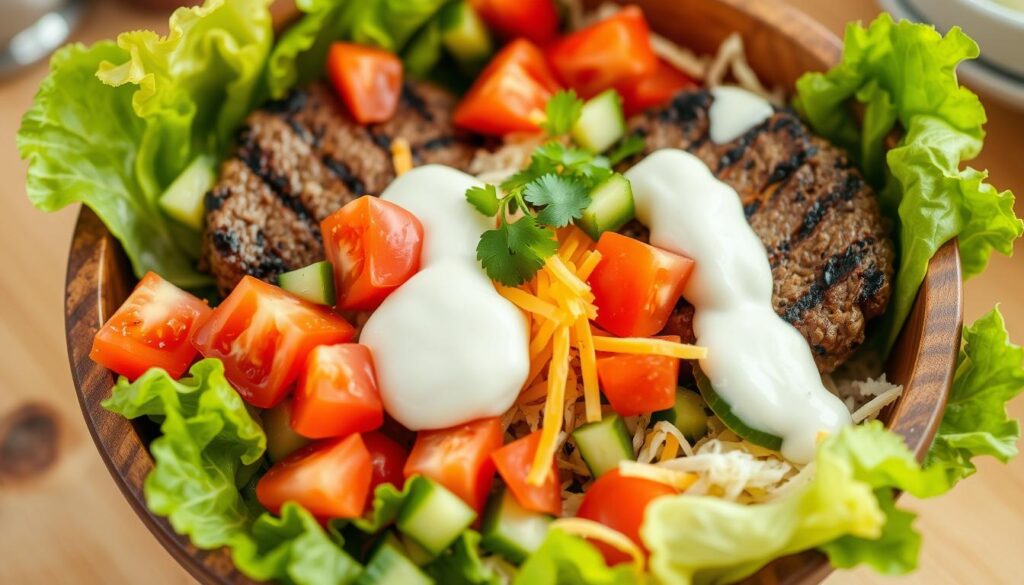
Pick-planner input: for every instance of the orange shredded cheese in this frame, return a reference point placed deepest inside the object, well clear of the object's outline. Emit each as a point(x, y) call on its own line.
point(530, 303)
point(401, 155)
point(595, 531)
point(588, 367)
point(644, 346)
point(558, 373)
point(671, 449)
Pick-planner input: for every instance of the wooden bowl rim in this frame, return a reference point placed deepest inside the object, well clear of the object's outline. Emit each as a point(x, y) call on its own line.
point(95, 254)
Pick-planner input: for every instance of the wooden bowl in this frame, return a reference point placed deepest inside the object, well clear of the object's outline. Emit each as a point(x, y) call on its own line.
point(782, 43)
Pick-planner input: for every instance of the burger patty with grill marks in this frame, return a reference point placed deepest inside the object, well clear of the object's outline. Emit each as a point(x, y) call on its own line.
point(300, 159)
point(831, 258)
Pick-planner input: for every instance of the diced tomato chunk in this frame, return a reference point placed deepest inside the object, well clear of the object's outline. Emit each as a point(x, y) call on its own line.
point(151, 329)
point(514, 461)
point(655, 89)
point(636, 286)
point(388, 459)
point(337, 393)
point(368, 80)
point(330, 479)
point(619, 503)
point(511, 93)
point(611, 53)
point(263, 335)
point(459, 458)
point(374, 246)
point(639, 384)
point(534, 20)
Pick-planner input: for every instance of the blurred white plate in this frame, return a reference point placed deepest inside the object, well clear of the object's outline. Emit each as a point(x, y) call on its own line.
point(987, 23)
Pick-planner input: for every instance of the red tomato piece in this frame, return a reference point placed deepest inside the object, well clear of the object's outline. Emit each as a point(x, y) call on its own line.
point(636, 286)
point(387, 459)
point(654, 90)
point(337, 393)
point(151, 329)
point(510, 94)
point(619, 503)
point(263, 335)
point(513, 462)
point(534, 20)
point(374, 246)
point(611, 53)
point(368, 80)
point(459, 458)
point(330, 479)
point(638, 384)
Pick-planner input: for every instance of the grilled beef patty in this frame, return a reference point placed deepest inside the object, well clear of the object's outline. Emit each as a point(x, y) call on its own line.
point(831, 259)
point(300, 159)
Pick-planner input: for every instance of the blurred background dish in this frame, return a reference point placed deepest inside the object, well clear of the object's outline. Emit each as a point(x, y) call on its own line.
point(31, 29)
point(997, 26)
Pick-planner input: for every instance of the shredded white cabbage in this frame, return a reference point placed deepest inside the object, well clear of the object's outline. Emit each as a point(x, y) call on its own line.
point(730, 470)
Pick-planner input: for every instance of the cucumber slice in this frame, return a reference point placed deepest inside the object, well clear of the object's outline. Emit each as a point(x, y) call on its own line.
point(601, 123)
point(604, 444)
point(722, 410)
point(388, 565)
point(315, 283)
point(433, 516)
point(416, 553)
point(688, 415)
point(281, 439)
point(510, 529)
point(465, 36)
point(611, 207)
point(183, 200)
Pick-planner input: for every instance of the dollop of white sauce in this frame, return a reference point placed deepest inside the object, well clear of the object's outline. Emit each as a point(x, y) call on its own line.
point(757, 362)
point(734, 111)
point(446, 346)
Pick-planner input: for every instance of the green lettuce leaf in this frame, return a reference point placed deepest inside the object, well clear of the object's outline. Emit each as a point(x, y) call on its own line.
point(988, 375)
point(300, 54)
point(903, 76)
point(207, 450)
point(462, 563)
point(564, 559)
point(115, 123)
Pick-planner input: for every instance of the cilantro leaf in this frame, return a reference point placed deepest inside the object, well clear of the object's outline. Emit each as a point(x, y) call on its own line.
point(562, 198)
point(563, 110)
point(514, 252)
point(484, 199)
point(630, 145)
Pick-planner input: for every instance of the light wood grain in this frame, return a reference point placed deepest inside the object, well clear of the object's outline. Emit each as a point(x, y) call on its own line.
point(70, 524)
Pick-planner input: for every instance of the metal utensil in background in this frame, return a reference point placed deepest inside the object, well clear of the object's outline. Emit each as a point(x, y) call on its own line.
point(31, 29)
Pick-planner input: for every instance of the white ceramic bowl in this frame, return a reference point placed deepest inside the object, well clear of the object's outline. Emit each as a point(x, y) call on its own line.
point(998, 28)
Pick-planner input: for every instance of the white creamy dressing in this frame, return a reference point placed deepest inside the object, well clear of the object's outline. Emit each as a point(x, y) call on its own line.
point(757, 362)
point(734, 111)
point(446, 346)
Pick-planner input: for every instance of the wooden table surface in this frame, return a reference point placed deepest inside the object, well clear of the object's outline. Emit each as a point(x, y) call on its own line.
point(62, 520)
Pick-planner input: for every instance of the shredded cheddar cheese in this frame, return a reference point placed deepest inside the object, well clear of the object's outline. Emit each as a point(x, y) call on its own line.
point(558, 372)
point(401, 156)
point(599, 532)
point(679, 480)
point(644, 346)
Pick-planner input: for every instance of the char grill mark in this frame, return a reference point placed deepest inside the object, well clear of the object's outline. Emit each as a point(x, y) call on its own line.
point(301, 158)
point(830, 256)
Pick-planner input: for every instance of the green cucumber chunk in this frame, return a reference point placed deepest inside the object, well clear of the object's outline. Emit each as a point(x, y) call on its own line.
point(722, 410)
point(388, 565)
point(184, 199)
point(603, 444)
point(433, 516)
point(416, 553)
point(687, 415)
point(510, 529)
point(281, 439)
point(601, 123)
point(315, 283)
point(610, 208)
point(465, 36)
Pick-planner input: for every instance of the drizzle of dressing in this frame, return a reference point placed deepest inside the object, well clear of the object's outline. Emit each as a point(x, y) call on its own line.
point(734, 111)
point(446, 346)
point(757, 362)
